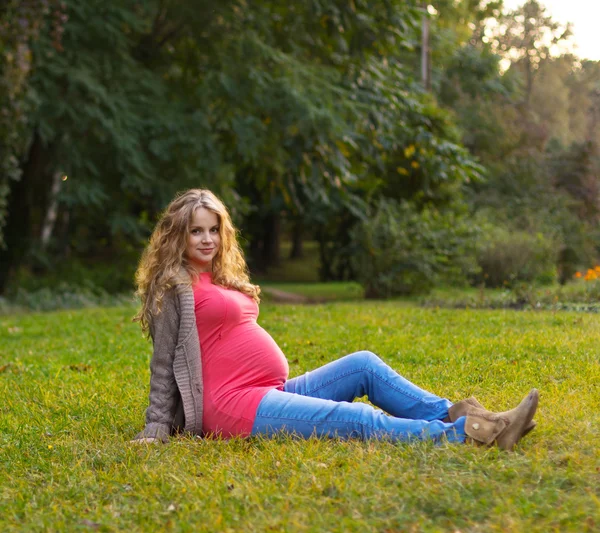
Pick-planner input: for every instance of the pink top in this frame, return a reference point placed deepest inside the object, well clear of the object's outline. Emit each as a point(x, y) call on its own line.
point(240, 361)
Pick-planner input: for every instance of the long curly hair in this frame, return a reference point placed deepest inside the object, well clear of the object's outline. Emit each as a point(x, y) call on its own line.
point(160, 267)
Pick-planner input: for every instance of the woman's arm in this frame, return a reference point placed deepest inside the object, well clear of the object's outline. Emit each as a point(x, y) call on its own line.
point(164, 394)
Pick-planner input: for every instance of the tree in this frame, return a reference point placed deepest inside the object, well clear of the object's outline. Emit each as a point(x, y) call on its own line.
point(527, 37)
point(300, 112)
point(21, 21)
point(100, 117)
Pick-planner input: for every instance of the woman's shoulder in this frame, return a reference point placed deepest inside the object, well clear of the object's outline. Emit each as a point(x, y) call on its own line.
point(176, 296)
point(181, 279)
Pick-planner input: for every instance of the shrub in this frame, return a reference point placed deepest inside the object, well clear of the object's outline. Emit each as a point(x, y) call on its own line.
point(401, 251)
point(506, 257)
point(113, 277)
point(63, 296)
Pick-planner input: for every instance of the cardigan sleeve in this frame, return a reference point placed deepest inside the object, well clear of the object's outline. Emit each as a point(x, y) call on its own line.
point(164, 394)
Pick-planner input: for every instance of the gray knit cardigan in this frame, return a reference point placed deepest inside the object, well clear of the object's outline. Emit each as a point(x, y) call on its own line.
point(176, 387)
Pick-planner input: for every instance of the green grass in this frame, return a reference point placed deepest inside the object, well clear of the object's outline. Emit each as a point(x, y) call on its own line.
point(318, 292)
point(74, 387)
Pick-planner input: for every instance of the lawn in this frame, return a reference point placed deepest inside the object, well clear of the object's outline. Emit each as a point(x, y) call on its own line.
point(74, 387)
point(314, 292)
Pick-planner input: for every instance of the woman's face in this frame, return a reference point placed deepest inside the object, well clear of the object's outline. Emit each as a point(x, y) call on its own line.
point(204, 239)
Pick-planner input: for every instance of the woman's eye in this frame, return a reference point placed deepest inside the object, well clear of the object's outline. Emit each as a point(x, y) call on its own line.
point(214, 230)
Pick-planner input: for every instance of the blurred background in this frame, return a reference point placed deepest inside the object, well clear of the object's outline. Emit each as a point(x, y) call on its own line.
point(400, 146)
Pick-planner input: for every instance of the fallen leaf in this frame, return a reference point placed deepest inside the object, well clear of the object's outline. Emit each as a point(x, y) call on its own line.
point(89, 523)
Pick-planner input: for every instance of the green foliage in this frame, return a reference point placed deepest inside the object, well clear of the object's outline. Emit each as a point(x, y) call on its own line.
point(72, 284)
point(297, 111)
point(293, 113)
point(401, 250)
point(472, 71)
point(575, 170)
point(581, 291)
point(526, 35)
point(506, 257)
point(19, 27)
point(74, 387)
point(62, 295)
point(535, 129)
point(579, 295)
point(108, 119)
point(518, 198)
point(111, 277)
point(324, 122)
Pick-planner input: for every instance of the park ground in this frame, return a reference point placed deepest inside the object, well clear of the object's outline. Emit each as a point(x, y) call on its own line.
point(74, 389)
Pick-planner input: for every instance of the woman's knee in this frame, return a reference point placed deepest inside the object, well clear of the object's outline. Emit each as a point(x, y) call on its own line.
point(365, 359)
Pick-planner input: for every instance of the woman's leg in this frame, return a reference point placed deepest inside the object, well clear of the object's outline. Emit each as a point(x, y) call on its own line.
point(284, 412)
point(363, 373)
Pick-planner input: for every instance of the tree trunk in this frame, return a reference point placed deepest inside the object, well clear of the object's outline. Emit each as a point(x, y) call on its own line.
point(297, 251)
point(50, 219)
point(594, 117)
point(272, 240)
point(64, 234)
point(529, 72)
point(15, 231)
point(27, 193)
point(325, 273)
point(255, 255)
point(425, 70)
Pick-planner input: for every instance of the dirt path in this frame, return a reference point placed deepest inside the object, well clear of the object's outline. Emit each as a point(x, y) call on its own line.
point(285, 297)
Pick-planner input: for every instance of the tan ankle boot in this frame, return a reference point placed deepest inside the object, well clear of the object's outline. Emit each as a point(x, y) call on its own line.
point(530, 427)
point(484, 429)
point(505, 429)
point(471, 406)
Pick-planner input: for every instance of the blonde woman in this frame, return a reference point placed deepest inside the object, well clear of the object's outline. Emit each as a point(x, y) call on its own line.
point(215, 371)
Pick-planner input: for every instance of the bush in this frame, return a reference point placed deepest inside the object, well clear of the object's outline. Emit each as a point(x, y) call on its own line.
point(63, 296)
point(113, 277)
point(403, 251)
point(506, 257)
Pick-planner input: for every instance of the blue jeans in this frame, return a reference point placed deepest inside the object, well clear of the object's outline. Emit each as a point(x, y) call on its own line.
point(320, 403)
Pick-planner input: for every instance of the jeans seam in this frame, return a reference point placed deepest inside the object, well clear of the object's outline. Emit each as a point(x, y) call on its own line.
point(366, 369)
point(362, 424)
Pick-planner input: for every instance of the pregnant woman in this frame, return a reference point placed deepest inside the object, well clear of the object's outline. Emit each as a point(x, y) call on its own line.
point(216, 372)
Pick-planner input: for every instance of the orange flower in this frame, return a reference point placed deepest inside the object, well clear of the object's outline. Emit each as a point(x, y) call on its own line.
point(577, 275)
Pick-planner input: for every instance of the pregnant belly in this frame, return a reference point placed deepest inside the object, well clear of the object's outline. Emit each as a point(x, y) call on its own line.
point(245, 357)
point(240, 369)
